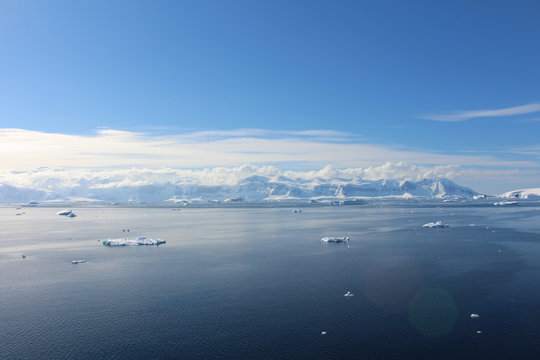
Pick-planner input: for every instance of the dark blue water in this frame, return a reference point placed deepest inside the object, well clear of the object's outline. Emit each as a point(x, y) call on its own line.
point(254, 283)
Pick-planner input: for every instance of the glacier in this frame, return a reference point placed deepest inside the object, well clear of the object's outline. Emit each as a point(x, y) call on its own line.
point(531, 194)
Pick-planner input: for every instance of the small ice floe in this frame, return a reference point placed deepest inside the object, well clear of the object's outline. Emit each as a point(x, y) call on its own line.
point(480, 197)
point(323, 332)
point(349, 294)
point(474, 316)
point(78, 261)
point(64, 212)
point(133, 242)
point(335, 239)
point(478, 331)
point(297, 210)
point(71, 215)
point(437, 224)
point(505, 203)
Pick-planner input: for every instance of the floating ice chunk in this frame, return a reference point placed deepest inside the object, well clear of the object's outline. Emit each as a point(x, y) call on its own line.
point(478, 331)
point(64, 212)
point(335, 240)
point(323, 332)
point(133, 242)
point(349, 294)
point(78, 261)
point(505, 203)
point(297, 210)
point(71, 215)
point(474, 316)
point(437, 224)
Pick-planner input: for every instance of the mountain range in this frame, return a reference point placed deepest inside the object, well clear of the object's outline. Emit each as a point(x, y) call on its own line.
point(254, 188)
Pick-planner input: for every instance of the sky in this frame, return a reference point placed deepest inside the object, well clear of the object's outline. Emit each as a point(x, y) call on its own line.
point(293, 84)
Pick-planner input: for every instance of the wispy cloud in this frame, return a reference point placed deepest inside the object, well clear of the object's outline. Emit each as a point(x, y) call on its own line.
point(24, 150)
point(472, 114)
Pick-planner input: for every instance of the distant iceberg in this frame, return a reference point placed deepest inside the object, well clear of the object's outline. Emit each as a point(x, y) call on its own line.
point(505, 203)
point(81, 261)
point(437, 224)
point(133, 242)
point(64, 212)
point(335, 240)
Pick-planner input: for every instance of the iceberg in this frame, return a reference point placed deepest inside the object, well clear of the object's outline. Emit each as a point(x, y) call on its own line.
point(474, 316)
point(133, 242)
point(437, 224)
point(480, 197)
point(64, 212)
point(78, 261)
point(349, 294)
point(335, 240)
point(505, 203)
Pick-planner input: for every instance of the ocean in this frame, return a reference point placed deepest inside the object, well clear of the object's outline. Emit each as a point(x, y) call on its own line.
point(257, 282)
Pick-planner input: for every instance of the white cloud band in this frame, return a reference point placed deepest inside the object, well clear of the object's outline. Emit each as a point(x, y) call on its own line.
point(25, 150)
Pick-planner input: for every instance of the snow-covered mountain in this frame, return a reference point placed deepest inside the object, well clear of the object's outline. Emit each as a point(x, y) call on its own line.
point(533, 193)
point(12, 194)
point(251, 188)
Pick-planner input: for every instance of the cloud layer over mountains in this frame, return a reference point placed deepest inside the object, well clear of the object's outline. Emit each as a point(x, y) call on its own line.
point(256, 183)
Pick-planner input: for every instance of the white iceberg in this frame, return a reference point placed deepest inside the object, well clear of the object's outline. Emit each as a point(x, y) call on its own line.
point(480, 197)
point(437, 224)
point(505, 203)
point(349, 294)
point(133, 242)
point(78, 261)
point(71, 215)
point(64, 212)
point(334, 239)
point(474, 316)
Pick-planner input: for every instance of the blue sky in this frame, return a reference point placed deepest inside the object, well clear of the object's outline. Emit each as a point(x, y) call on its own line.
point(386, 73)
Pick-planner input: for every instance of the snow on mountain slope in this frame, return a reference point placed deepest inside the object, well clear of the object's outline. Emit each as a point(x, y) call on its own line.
point(12, 194)
point(533, 193)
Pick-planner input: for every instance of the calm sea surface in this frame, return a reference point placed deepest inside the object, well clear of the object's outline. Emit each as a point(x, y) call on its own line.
point(257, 283)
